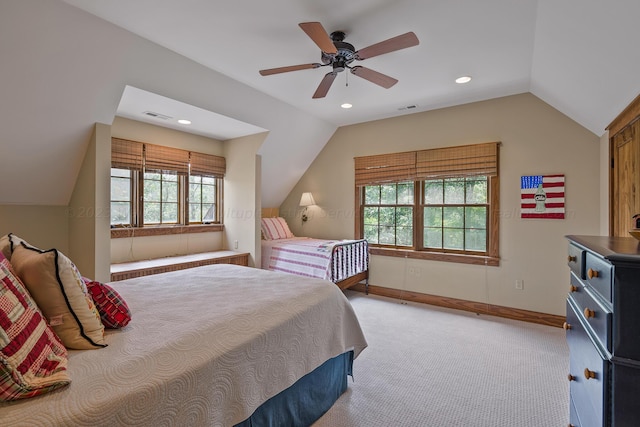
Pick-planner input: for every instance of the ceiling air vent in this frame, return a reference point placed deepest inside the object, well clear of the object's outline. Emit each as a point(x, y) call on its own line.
point(408, 107)
point(156, 115)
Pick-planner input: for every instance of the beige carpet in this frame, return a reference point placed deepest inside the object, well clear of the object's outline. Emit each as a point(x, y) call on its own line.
point(429, 366)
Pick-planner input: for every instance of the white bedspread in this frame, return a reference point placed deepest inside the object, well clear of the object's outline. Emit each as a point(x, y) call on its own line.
point(205, 347)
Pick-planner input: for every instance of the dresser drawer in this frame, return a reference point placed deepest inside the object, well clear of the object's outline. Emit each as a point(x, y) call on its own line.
point(592, 312)
point(625, 377)
point(598, 275)
point(575, 260)
point(573, 415)
point(589, 373)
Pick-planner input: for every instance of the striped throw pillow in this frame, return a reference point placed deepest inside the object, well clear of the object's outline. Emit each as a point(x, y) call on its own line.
point(33, 360)
point(275, 228)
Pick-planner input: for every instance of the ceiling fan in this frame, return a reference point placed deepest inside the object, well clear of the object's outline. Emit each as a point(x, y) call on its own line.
point(338, 54)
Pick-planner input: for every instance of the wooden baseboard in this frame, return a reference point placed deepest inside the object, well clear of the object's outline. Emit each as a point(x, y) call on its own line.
point(459, 304)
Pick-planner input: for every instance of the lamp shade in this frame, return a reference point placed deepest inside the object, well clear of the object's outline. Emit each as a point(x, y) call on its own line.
point(307, 200)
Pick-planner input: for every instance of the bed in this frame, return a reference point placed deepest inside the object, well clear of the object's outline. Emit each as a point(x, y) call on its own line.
point(343, 262)
point(217, 345)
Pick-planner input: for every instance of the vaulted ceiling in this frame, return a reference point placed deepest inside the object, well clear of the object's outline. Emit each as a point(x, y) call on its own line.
point(66, 65)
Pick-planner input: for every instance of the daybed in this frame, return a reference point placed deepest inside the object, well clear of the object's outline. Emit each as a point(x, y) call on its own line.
point(217, 345)
point(343, 262)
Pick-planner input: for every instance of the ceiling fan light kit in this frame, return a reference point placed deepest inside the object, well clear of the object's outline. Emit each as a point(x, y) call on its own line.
point(339, 55)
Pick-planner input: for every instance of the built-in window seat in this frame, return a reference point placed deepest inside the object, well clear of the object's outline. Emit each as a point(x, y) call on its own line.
point(128, 270)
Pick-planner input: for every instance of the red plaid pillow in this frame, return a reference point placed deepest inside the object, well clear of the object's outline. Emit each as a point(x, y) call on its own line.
point(33, 360)
point(113, 309)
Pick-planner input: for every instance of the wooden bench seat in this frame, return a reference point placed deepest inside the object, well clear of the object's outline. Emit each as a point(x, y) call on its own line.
point(128, 270)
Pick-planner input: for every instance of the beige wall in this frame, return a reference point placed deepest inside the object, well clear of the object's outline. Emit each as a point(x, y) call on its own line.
point(45, 227)
point(536, 139)
point(242, 196)
point(89, 208)
point(604, 183)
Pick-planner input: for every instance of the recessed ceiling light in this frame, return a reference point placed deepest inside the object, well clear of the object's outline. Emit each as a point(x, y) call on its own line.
point(346, 105)
point(184, 122)
point(463, 79)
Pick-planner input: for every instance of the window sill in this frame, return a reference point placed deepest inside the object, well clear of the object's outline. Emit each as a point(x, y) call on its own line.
point(119, 233)
point(436, 256)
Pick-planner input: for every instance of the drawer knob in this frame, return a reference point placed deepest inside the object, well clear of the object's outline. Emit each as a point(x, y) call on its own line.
point(589, 313)
point(571, 377)
point(571, 258)
point(566, 326)
point(573, 288)
point(589, 374)
point(592, 273)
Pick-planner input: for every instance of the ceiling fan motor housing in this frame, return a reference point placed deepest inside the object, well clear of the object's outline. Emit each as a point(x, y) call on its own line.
point(345, 56)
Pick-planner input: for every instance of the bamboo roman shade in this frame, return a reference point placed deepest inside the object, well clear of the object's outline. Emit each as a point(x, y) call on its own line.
point(396, 167)
point(126, 154)
point(466, 160)
point(160, 158)
point(208, 165)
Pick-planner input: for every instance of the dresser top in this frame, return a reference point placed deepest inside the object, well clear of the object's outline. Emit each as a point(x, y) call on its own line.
point(612, 248)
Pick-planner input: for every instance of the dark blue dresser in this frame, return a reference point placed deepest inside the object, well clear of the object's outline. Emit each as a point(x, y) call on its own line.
point(603, 331)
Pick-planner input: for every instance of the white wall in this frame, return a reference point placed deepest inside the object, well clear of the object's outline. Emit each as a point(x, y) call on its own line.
point(536, 139)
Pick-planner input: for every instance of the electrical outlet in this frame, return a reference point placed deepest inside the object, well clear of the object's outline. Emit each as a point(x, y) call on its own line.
point(235, 244)
point(414, 271)
point(520, 284)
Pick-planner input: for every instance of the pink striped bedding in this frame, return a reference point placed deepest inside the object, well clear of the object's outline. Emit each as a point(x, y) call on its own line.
point(299, 255)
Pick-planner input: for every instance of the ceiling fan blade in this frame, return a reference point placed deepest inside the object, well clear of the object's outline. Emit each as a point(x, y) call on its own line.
point(317, 33)
point(390, 45)
point(374, 76)
point(279, 70)
point(325, 84)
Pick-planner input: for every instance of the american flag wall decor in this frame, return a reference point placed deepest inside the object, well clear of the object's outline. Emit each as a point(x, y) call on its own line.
point(542, 196)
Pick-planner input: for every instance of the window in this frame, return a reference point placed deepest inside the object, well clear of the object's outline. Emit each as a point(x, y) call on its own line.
point(202, 199)
point(160, 197)
point(388, 214)
point(455, 213)
point(156, 185)
point(121, 196)
point(447, 210)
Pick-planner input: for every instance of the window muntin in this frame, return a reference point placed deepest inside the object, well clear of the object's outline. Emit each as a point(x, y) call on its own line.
point(202, 199)
point(456, 214)
point(388, 214)
point(121, 196)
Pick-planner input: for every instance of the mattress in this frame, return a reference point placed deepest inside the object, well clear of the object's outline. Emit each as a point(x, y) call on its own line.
point(205, 347)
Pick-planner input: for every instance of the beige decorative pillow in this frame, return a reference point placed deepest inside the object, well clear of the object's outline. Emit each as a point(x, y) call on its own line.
point(57, 287)
point(8, 243)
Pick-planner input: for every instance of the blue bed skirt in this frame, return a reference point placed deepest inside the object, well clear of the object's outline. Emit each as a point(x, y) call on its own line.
point(307, 399)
